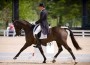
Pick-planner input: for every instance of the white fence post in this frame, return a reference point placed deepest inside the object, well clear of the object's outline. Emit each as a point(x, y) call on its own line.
point(83, 33)
point(4, 33)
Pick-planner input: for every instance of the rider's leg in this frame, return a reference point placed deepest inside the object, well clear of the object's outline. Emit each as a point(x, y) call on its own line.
point(38, 29)
point(38, 42)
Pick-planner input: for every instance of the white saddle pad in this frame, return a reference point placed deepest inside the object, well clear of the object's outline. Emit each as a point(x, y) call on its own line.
point(42, 36)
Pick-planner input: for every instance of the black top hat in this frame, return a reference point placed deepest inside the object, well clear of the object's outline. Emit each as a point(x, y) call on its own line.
point(41, 5)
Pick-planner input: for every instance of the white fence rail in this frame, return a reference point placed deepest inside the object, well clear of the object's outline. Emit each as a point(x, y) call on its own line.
point(8, 32)
point(82, 33)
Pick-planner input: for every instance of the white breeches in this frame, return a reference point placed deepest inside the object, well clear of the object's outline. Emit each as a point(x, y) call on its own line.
point(36, 29)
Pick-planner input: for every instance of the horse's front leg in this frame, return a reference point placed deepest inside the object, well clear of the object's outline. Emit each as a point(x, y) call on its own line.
point(59, 51)
point(41, 50)
point(23, 48)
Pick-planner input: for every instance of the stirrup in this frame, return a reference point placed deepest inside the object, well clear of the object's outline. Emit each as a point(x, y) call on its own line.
point(37, 46)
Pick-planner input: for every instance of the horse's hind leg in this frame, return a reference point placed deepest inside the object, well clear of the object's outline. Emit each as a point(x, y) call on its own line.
point(23, 48)
point(59, 51)
point(70, 51)
point(41, 50)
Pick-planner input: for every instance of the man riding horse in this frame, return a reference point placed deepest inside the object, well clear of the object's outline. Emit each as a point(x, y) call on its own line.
point(57, 34)
point(41, 25)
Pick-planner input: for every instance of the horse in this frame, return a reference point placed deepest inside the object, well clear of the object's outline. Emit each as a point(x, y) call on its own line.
point(57, 34)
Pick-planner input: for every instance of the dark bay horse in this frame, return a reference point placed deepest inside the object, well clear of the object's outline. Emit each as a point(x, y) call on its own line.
point(57, 34)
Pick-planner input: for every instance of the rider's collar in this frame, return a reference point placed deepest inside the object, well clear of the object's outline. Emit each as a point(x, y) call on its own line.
point(42, 9)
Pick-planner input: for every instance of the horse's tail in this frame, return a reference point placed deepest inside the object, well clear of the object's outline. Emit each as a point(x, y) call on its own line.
point(74, 41)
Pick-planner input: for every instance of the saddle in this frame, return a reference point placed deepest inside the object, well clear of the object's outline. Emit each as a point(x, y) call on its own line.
point(41, 35)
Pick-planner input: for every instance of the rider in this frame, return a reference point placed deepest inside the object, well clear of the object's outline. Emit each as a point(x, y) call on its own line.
point(41, 25)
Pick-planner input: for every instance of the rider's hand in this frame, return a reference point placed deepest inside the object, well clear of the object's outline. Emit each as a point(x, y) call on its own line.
point(36, 22)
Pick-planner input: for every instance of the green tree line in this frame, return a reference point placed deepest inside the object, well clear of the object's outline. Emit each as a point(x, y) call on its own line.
point(60, 12)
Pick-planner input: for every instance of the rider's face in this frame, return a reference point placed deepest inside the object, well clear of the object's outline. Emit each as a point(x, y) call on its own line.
point(40, 8)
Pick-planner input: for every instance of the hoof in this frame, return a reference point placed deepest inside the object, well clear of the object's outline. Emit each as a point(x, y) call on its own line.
point(75, 63)
point(15, 58)
point(44, 61)
point(53, 61)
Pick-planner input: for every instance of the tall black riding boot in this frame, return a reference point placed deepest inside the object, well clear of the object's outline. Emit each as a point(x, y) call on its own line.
point(38, 45)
